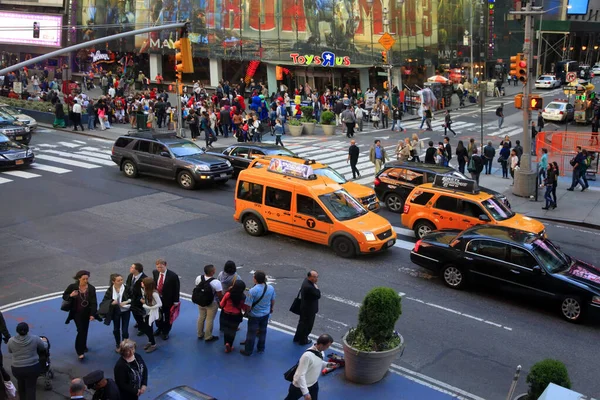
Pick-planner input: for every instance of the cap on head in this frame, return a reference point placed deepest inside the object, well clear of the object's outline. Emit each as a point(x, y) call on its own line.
point(93, 378)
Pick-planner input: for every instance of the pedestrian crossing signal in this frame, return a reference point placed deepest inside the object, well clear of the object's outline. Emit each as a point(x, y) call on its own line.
point(384, 57)
point(535, 103)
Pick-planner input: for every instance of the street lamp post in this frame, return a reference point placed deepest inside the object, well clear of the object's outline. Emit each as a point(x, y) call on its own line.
point(386, 26)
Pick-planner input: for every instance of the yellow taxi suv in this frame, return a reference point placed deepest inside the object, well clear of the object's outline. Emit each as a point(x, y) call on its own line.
point(364, 194)
point(453, 203)
point(288, 198)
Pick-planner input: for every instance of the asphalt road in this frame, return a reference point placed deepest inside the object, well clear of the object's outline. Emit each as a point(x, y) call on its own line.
point(54, 224)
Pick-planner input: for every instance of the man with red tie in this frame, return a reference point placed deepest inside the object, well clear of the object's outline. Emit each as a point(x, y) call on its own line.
point(167, 285)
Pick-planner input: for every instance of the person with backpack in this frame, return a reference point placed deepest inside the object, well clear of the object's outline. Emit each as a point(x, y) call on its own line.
point(500, 115)
point(282, 113)
point(397, 119)
point(305, 380)
point(475, 166)
point(207, 293)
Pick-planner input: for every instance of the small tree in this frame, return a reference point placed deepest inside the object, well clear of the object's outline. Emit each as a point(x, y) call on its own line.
point(545, 372)
point(327, 118)
point(377, 319)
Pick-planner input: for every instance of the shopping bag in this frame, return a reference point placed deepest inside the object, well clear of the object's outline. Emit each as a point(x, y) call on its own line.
point(175, 308)
point(11, 390)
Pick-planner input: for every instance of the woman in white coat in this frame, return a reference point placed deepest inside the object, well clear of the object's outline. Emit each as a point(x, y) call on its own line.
point(152, 304)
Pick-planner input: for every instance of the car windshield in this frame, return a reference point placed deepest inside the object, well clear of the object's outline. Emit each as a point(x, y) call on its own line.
point(554, 106)
point(183, 149)
point(498, 210)
point(550, 256)
point(342, 205)
point(5, 116)
point(10, 110)
point(331, 174)
point(6, 144)
point(281, 152)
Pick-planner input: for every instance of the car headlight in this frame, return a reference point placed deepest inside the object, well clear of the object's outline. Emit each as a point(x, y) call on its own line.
point(369, 236)
point(596, 300)
point(26, 129)
point(202, 168)
point(228, 163)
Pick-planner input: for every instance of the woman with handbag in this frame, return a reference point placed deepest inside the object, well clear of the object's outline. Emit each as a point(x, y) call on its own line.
point(26, 360)
point(232, 309)
point(79, 299)
point(151, 303)
point(416, 145)
point(503, 159)
point(462, 155)
point(115, 308)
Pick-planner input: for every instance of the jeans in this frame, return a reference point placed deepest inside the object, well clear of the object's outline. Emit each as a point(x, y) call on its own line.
point(91, 119)
point(82, 322)
point(278, 140)
point(422, 121)
point(461, 165)
point(487, 163)
point(384, 121)
point(256, 324)
point(256, 138)
point(500, 122)
point(207, 316)
point(542, 174)
point(355, 171)
point(230, 326)
point(475, 176)
point(577, 179)
point(399, 123)
point(225, 128)
point(449, 128)
point(26, 380)
point(548, 196)
point(555, 200)
point(294, 393)
point(504, 168)
point(120, 321)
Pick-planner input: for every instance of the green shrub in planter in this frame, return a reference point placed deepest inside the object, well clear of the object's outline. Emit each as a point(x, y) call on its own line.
point(545, 372)
point(294, 122)
point(307, 111)
point(377, 319)
point(327, 118)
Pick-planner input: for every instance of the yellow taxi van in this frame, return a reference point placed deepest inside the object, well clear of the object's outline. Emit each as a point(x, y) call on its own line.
point(288, 198)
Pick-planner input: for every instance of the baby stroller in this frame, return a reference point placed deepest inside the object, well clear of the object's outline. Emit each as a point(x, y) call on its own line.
point(46, 366)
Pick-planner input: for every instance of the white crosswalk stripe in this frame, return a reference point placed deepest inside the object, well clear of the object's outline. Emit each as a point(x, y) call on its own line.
point(4, 180)
point(80, 157)
point(21, 174)
point(507, 132)
point(60, 160)
point(49, 168)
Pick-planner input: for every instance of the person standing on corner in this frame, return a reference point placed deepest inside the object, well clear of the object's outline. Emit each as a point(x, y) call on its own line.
point(309, 307)
point(353, 153)
point(133, 285)
point(104, 388)
point(131, 372)
point(115, 308)
point(462, 156)
point(489, 152)
point(77, 116)
point(6, 335)
point(26, 362)
point(306, 379)
point(167, 286)
point(77, 389)
point(475, 166)
point(211, 292)
point(377, 155)
point(151, 304)
point(261, 301)
point(83, 308)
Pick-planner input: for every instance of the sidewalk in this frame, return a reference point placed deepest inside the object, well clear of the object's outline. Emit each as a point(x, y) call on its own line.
point(184, 360)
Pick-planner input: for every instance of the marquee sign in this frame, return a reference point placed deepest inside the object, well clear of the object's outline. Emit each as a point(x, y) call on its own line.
point(327, 59)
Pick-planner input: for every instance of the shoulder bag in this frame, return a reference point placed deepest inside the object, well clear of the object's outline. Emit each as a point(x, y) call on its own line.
point(289, 374)
point(254, 303)
point(295, 307)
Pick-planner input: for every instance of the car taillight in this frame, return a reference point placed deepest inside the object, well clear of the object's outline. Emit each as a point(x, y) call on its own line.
point(406, 208)
point(562, 113)
point(417, 245)
point(377, 182)
point(113, 150)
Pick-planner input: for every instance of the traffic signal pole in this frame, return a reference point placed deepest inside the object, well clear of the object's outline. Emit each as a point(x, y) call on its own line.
point(525, 177)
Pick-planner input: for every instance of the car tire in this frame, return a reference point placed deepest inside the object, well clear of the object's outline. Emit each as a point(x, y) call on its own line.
point(572, 309)
point(253, 225)
point(129, 169)
point(394, 203)
point(423, 228)
point(343, 247)
point(453, 277)
point(186, 180)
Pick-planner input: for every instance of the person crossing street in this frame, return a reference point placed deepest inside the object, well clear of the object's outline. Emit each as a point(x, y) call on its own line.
point(353, 153)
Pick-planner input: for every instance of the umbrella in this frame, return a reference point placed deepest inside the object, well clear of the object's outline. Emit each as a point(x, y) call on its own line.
point(438, 79)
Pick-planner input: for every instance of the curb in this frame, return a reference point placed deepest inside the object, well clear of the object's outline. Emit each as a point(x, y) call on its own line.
point(568, 222)
point(83, 133)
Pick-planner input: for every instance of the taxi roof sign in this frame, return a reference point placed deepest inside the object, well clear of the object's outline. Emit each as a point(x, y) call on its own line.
point(454, 183)
point(289, 168)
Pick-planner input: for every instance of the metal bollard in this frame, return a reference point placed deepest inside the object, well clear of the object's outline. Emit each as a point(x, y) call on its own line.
point(513, 386)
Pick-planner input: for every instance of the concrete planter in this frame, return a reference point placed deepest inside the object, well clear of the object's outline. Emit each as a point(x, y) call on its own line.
point(329, 130)
point(309, 128)
point(521, 397)
point(368, 367)
point(295, 130)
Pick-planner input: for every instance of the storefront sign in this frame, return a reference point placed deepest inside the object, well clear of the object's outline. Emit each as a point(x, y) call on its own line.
point(161, 44)
point(31, 29)
point(327, 59)
point(97, 56)
point(290, 168)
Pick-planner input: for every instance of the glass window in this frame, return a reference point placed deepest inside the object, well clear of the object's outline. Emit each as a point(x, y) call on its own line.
point(250, 192)
point(550, 257)
point(488, 248)
point(184, 148)
point(421, 198)
point(470, 209)
point(331, 174)
point(342, 205)
point(396, 173)
point(308, 206)
point(123, 142)
point(159, 148)
point(279, 199)
point(522, 257)
point(240, 152)
point(447, 203)
point(254, 153)
point(414, 177)
point(143, 145)
point(281, 152)
point(498, 210)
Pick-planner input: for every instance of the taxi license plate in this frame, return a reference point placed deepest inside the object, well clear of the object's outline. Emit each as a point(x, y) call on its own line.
point(390, 243)
point(223, 175)
point(19, 162)
point(19, 138)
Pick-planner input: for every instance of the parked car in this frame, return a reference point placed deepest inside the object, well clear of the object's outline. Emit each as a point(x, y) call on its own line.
point(558, 111)
point(13, 154)
point(523, 261)
point(18, 114)
point(547, 82)
point(397, 179)
point(240, 155)
point(14, 129)
point(596, 69)
point(168, 156)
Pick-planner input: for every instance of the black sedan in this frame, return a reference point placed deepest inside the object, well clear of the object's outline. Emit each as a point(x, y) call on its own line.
point(240, 155)
point(13, 154)
point(523, 261)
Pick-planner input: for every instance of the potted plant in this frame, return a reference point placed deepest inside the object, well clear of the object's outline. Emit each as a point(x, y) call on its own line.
point(328, 123)
point(307, 120)
point(295, 127)
point(371, 347)
point(542, 374)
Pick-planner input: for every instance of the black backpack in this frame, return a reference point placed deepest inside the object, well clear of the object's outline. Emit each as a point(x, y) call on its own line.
point(203, 294)
point(498, 111)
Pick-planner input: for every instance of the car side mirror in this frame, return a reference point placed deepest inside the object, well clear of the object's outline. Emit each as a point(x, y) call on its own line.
point(165, 154)
point(537, 270)
point(484, 217)
point(203, 148)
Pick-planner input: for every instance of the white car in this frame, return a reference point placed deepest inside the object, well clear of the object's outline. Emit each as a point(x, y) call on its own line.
point(596, 69)
point(547, 82)
point(558, 111)
point(18, 114)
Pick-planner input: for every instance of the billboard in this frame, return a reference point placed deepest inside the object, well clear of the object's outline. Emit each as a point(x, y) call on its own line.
point(577, 7)
point(31, 29)
point(35, 3)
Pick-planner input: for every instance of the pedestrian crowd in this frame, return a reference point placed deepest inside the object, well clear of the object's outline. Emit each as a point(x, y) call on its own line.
point(154, 300)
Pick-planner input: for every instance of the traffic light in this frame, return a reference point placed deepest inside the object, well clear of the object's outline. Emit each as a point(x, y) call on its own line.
point(535, 103)
point(384, 58)
point(178, 76)
point(518, 67)
point(183, 56)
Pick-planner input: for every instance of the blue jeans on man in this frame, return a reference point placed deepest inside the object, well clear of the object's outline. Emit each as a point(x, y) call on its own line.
point(500, 122)
point(577, 179)
point(91, 118)
point(256, 324)
point(423, 121)
point(225, 129)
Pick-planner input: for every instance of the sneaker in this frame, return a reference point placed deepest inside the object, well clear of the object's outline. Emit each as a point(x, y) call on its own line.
point(570, 189)
point(151, 348)
point(147, 345)
point(212, 339)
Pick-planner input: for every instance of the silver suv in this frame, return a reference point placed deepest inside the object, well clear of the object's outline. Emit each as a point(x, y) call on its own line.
point(166, 155)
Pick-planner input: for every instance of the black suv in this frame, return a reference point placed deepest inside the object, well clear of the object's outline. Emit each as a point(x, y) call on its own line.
point(166, 155)
point(397, 179)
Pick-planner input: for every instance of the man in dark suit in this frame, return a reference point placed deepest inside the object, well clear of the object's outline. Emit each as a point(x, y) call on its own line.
point(133, 285)
point(167, 286)
point(309, 307)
